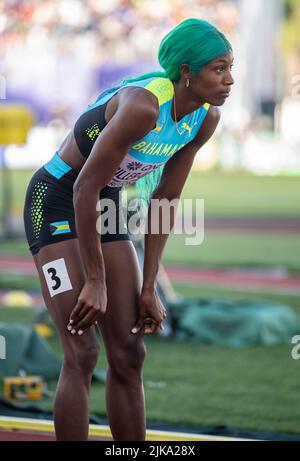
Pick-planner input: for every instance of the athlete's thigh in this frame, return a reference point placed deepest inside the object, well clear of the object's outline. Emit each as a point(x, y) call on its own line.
point(62, 277)
point(123, 281)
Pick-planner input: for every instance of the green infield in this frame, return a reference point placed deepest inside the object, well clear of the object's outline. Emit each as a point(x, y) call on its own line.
point(253, 388)
point(235, 249)
point(225, 194)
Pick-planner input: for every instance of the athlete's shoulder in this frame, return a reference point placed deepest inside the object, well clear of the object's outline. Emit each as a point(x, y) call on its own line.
point(209, 125)
point(138, 101)
point(135, 116)
point(212, 118)
point(162, 88)
point(159, 86)
point(213, 114)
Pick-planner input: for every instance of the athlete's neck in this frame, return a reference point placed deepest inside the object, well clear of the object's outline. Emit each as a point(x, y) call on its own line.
point(185, 104)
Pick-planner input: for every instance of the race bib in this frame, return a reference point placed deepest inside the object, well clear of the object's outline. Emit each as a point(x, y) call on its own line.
point(57, 277)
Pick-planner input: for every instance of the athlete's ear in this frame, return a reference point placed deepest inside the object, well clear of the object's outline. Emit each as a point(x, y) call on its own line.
point(185, 71)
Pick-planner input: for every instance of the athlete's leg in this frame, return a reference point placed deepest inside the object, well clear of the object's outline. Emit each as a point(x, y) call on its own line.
point(71, 413)
point(125, 351)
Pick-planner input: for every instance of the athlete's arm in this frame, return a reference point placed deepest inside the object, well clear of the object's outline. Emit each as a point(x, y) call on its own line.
point(170, 187)
point(135, 117)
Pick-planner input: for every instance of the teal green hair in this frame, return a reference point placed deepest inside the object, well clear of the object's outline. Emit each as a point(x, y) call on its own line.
point(193, 42)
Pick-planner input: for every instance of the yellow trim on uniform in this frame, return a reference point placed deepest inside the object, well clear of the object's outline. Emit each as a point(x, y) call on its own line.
point(61, 227)
point(206, 106)
point(95, 430)
point(162, 88)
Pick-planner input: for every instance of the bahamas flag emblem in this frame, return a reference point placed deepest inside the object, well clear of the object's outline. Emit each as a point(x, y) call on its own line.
point(60, 227)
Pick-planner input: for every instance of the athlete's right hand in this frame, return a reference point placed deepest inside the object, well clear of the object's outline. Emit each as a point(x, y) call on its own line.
point(91, 303)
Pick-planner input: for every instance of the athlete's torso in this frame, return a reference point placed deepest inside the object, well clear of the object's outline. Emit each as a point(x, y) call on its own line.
point(149, 152)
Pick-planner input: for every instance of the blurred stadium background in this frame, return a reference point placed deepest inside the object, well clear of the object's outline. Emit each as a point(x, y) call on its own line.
point(55, 57)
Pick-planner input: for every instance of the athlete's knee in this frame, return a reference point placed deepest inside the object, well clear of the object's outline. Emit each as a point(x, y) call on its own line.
point(127, 362)
point(82, 358)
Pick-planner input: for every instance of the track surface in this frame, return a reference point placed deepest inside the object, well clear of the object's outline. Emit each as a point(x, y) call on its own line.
point(239, 279)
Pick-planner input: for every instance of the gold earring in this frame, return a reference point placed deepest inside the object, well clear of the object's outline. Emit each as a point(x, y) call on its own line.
point(187, 83)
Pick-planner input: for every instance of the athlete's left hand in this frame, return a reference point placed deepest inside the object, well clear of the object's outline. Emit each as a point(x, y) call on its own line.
point(151, 312)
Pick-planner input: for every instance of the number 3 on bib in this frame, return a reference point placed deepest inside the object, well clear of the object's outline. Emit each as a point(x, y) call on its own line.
point(57, 277)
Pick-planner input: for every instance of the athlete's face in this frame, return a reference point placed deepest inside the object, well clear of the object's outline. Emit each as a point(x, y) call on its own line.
point(213, 83)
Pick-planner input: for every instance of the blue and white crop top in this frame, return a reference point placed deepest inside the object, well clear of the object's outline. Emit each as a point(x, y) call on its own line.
point(154, 149)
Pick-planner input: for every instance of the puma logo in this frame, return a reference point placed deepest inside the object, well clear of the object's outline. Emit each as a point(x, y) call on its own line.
point(188, 128)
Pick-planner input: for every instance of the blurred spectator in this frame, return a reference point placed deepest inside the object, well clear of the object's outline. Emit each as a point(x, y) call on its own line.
point(52, 51)
point(58, 55)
